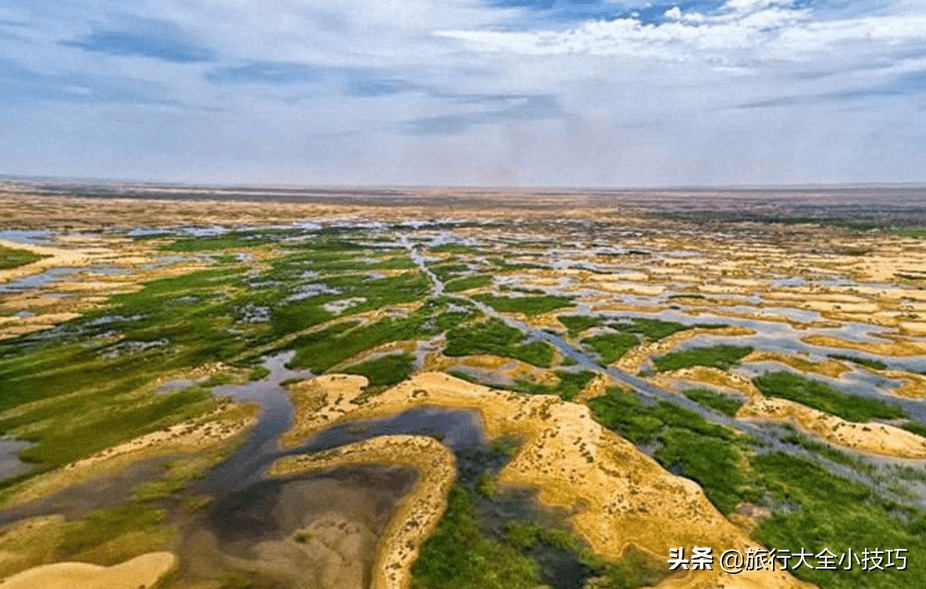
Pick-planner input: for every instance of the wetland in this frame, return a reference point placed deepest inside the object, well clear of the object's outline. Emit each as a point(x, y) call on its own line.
point(221, 389)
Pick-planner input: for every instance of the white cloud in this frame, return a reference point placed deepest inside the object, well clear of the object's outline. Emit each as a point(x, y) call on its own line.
point(744, 32)
point(619, 102)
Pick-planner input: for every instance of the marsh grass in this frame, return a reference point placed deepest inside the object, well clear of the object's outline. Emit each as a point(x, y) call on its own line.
point(821, 396)
point(14, 257)
point(576, 324)
point(569, 386)
point(722, 357)
point(611, 347)
point(724, 403)
point(689, 445)
point(528, 305)
point(867, 362)
point(493, 336)
point(468, 282)
point(385, 370)
point(815, 509)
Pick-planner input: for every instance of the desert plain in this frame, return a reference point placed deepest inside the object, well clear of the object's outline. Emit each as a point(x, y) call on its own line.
point(232, 387)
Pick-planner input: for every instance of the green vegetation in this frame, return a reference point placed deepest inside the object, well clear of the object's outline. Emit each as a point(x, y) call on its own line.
point(867, 362)
point(572, 383)
point(486, 486)
point(12, 258)
point(809, 504)
point(569, 386)
point(228, 241)
point(914, 427)
point(711, 462)
point(79, 391)
point(827, 451)
point(576, 324)
point(626, 333)
point(459, 555)
point(462, 555)
point(494, 337)
point(258, 373)
point(821, 396)
point(652, 329)
point(384, 371)
point(468, 282)
point(303, 537)
point(689, 445)
point(321, 350)
point(721, 402)
point(102, 527)
point(722, 357)
point(635, 569)
point(532, 305)
point(814, 509)
point(917, 232)
point(611, 347)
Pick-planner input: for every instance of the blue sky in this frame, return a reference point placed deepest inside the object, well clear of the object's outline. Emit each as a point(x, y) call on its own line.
point(476, 92)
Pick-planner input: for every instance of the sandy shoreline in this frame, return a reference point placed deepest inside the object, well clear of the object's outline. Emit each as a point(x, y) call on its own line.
point(618, 495)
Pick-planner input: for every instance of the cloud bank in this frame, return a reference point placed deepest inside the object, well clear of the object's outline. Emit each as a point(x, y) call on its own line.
point(513, 92)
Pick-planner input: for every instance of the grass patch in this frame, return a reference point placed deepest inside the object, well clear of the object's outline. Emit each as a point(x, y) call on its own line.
point(106, 525)
point(652, 329)
point(726, 404)
point(635, 569)
point(915, 427)
point(917, 232)
point(722, 357)
point(814, 509)
point(495, 337)
point(821, 396)
point(535, 305)
point(569, 386)
point(689, 445)
point(468, 282)
point(14, 257)
point(458, 555)
point(237, 240)
point(711, 462)
point(385, 370)
point(867, 362)
point(611, 347)
point(576, 324)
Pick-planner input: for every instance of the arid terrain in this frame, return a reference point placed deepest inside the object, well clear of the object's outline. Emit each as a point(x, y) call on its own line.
point(224, 388)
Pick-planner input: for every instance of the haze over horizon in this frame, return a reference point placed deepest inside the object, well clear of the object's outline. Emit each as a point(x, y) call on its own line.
point(584, 93)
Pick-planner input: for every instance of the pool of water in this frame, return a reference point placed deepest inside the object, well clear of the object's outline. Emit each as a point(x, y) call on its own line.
point(10, 464)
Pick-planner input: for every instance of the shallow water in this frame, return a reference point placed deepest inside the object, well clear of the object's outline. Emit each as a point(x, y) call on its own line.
point(10, 464)
point(26, 237)
point(38, 280)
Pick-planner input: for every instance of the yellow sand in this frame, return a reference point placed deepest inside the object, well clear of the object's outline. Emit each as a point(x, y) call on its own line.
point(635, 358)
point(875, 438)
point(197, 434)
point(420, 510)
point(894, 348)
point(619, 496)
point(141, 572)
point(828, 367)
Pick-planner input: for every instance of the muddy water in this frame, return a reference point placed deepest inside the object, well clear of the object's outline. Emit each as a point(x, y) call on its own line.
point(321, 529)
point(318, 530)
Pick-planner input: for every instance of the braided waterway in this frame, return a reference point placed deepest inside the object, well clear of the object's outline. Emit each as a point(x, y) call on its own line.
point(766, 437)
point(325, 526)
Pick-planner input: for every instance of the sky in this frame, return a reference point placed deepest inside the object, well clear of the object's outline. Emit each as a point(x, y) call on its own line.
point(594, 93)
